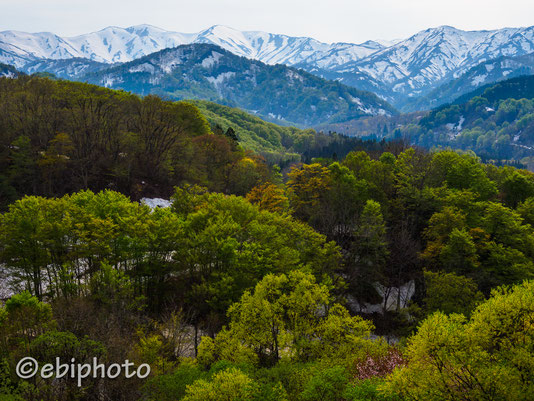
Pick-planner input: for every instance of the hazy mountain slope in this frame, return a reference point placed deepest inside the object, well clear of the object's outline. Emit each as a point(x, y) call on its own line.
point(8, 71)
point(66, 69)
point(495, 121)
point(486, 73)
point(202, 71)
point(397, 71)
point(515, 88)
point(415, 66)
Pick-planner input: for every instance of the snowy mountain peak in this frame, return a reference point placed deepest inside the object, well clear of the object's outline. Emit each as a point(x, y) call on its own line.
point(433, 56)
point(395, 70)
point(116, 44)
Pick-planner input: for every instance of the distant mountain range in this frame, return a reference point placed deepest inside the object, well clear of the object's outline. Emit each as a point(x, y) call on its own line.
point(277, 93)
point(114, 45)
point(413, 67)
point(399, 71)
point(486, 73)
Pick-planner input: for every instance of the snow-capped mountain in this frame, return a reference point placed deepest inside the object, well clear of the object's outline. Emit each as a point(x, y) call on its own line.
point(339, 54)
point(266, 47)
point(488, 72)
point(276, 92)
point(114, 44)
point(398, 71)
point(15, 56)
point(432, 57)
point(109, 45)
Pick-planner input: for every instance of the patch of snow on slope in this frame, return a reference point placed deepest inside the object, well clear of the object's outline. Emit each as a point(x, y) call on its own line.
point(479, 79)
point(211, 60)
point(155, 202)
point(460, 123)
point(355, 100)
point(170, 60)
point(145, 67)
point(220, 78)
point(292, 75)
point(109, 81)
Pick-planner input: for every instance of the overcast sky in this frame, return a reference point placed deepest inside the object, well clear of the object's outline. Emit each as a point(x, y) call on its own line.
point(326, 20)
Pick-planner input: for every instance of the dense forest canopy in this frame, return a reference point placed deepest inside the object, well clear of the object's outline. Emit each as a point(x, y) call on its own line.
point(209, 72)
point(285, 262)
point(61, 136)
point(494, 121)
point(250, 275)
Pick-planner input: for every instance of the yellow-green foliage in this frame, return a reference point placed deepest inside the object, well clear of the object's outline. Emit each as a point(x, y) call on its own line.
point(488, 357)
point(227, 347)
point(288, 317)
point(253, 132)
point(450, 293)
point(228, 385)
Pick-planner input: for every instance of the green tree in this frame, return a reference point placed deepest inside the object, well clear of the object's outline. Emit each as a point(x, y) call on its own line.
point(517, 187)
point(450, 293)
point(22, 243)
point(307, 186)
point(23, 319)
point(291, 317)
point(269, 197)
point(229, 245)
point(488, 357)
point(228, 385)
point(327, 384)
point(526, 210)
point(368, 253)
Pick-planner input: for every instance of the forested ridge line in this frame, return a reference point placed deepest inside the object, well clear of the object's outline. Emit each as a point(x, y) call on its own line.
point(60, 136)
point(253, 284)
point(249, 276)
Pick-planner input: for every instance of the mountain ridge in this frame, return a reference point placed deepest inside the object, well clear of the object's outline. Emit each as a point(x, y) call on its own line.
point(208, 72)
point(484, 74)
point(398, 71)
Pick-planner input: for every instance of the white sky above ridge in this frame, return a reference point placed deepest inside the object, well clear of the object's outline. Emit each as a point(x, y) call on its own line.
point(328, 20)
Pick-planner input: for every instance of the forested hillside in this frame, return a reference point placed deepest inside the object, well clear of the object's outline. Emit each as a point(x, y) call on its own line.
point(279, 144)
point(64, 68)
point(268, 296)
point(514, 88)
point(207, 72)
point(291, 265)
point(496, 122)
point(61, 136)
point(243, 216)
